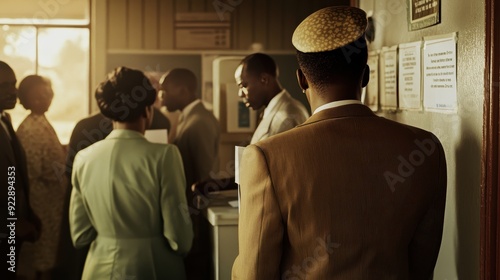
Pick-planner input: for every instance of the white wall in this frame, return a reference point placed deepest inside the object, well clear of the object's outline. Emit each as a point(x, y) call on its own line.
point(460, 133)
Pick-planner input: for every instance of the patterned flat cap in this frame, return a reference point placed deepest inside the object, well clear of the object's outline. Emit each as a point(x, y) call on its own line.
point(329, 29)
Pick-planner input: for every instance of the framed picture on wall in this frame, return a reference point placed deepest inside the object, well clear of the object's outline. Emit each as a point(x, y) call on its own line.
point(423, 13)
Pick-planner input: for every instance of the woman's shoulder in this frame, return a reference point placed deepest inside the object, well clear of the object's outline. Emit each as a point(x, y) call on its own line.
point(32, 127)
point(162, 148)
point(26, 124)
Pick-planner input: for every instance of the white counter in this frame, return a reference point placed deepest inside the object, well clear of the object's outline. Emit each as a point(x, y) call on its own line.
point(224, 236)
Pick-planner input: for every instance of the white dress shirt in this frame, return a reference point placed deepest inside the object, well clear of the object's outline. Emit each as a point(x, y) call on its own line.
point(336, 104)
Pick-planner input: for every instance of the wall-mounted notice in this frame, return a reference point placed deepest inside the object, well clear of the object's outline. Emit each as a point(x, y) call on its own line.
point(409, 76)
point(440, 73)
point(371, 99)
point(389, 86)
point(423, 13)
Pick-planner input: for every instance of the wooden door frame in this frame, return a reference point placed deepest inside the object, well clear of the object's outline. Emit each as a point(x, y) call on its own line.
point(490, 195)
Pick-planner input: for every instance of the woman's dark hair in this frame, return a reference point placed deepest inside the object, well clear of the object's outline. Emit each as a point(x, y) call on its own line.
point(27, 84)
point(125, 94)
point(345, 63)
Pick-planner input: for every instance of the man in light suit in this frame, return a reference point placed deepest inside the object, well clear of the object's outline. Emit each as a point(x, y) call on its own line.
point(257, 77)
point(347, 194)
point(14, 195)
point(197, 138)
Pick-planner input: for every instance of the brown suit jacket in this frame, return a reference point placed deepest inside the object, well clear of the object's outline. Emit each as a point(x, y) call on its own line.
point(346, 195)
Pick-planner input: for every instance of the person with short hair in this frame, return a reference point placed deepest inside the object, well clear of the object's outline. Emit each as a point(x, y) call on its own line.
point(257, 77)
point(346, 194)
point(45, 158)
point(198, 132)
point(128, 198)
point(86, 132)
point(197, 138)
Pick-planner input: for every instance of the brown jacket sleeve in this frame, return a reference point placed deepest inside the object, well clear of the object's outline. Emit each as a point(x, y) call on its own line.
point(425, 244)
point(260, 227)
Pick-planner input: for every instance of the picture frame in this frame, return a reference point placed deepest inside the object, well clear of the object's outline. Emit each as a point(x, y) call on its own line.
point(423, 13)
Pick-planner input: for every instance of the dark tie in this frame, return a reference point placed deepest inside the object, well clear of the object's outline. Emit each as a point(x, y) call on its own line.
point(13, 139)
point(21, 178)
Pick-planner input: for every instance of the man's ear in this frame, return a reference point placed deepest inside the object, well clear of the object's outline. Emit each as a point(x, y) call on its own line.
point(148, 112)
point(145, 112)
point(366, 76)
point(301, 79)
point(264, 78)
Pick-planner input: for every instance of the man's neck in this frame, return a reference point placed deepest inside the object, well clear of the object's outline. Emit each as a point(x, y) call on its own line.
point(186, 104)
point(332, 93)
point(276, 89)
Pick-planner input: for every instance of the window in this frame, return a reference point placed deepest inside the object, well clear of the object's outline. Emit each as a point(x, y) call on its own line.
point(54, 45)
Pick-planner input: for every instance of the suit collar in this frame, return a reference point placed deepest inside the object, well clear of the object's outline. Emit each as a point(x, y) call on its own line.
point(4, 126)
point(274, 103)
point(125, 134)
point(351, 110)
point(282, 98)
point(6, 142)
point(189, 108)
point(265, 124)
point(336, 104)
point(268, 118)
point(198, 107)
point(14, 149)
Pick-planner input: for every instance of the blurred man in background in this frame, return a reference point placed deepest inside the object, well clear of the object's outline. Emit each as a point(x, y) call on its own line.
point(197, 138)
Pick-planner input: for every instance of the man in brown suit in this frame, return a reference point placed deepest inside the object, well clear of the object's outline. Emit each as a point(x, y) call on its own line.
point(347, 194)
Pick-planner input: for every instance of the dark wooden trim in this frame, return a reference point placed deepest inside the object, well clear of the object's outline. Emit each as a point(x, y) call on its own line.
point(490, 196)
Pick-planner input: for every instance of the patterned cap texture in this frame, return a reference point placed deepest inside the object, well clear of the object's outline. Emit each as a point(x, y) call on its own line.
point(329, 29)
